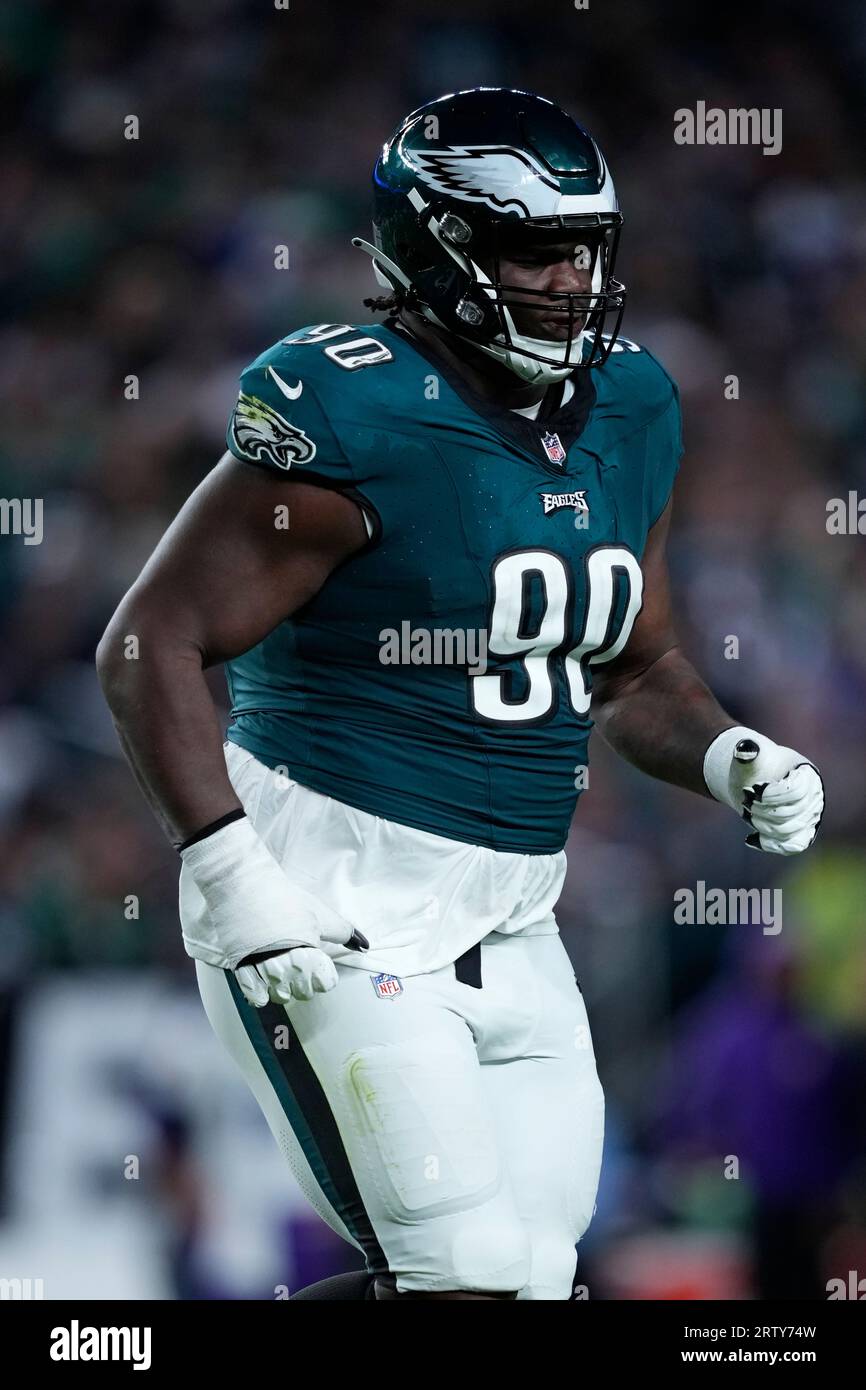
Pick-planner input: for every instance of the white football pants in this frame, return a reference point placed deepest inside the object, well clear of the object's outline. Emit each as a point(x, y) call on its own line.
point(448, 1123)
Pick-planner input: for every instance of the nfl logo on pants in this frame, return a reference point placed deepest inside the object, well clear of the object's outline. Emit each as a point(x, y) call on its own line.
point(387, 986)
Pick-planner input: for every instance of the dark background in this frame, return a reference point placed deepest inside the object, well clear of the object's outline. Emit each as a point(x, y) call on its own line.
point(155, 257)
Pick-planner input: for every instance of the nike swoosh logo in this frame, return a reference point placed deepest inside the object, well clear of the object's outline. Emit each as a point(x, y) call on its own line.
point(292, 392)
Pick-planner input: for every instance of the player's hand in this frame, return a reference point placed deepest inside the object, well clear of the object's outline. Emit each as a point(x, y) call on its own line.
point(298, 973)
point(775, 789)
point(276, 936)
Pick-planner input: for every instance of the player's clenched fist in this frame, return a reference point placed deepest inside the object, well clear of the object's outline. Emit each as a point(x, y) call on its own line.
point(778, 791)
point(273, 934)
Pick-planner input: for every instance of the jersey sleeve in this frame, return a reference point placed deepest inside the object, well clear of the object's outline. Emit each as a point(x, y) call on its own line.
point(279, 423)
point(664, 453)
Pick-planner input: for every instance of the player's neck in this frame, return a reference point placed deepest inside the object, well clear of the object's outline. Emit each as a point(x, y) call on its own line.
point(484, 376)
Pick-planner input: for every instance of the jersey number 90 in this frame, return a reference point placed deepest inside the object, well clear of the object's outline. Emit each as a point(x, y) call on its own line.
point(540, 651)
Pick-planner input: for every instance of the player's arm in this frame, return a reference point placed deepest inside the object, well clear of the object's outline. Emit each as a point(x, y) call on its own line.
point(223, 576)
point(653, 708)
point(649, 703)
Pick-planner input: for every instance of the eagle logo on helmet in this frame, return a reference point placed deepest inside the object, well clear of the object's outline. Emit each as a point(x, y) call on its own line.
point(261, 433)
point(504, 178)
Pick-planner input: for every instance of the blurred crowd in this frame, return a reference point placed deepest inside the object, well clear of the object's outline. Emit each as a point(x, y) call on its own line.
point(138, 278)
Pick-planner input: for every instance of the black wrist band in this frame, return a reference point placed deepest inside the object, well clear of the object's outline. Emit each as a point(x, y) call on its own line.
point(211, 829)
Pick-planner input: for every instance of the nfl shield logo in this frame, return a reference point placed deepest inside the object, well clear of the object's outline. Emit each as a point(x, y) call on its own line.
point(553, 448)
point(387, 986)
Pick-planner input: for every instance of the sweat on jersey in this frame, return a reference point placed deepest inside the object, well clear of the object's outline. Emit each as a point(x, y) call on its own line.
point(442, 676)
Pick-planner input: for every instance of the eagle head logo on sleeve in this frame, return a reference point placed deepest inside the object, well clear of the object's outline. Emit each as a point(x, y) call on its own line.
point(261, 434)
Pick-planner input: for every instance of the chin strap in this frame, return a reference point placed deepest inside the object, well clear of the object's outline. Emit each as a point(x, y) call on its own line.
point(528, 368)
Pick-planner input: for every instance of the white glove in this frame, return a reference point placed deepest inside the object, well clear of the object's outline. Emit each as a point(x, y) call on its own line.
point(258, 923)
point(778, 791)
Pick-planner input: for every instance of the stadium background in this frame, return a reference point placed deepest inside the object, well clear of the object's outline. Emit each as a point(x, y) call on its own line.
point(134, 1163)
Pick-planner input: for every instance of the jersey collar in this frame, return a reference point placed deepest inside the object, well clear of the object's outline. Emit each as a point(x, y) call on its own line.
point(568, 421)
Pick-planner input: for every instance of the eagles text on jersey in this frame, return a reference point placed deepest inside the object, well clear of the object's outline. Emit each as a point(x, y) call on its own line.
point(464, 537)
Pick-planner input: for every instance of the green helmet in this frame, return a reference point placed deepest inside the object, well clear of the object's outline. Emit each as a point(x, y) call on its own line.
point(466, 177)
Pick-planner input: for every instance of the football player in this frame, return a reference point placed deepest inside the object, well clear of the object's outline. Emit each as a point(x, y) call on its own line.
point(371, 862)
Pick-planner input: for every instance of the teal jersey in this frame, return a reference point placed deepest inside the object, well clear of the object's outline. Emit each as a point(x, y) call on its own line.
point(441, 678)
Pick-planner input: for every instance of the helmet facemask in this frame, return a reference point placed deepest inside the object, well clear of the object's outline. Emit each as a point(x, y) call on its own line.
point(482, 304)
point(583, 315)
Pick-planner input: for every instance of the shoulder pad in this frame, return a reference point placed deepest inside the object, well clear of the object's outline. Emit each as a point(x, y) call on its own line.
point(279, 420)
point(633, 369)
